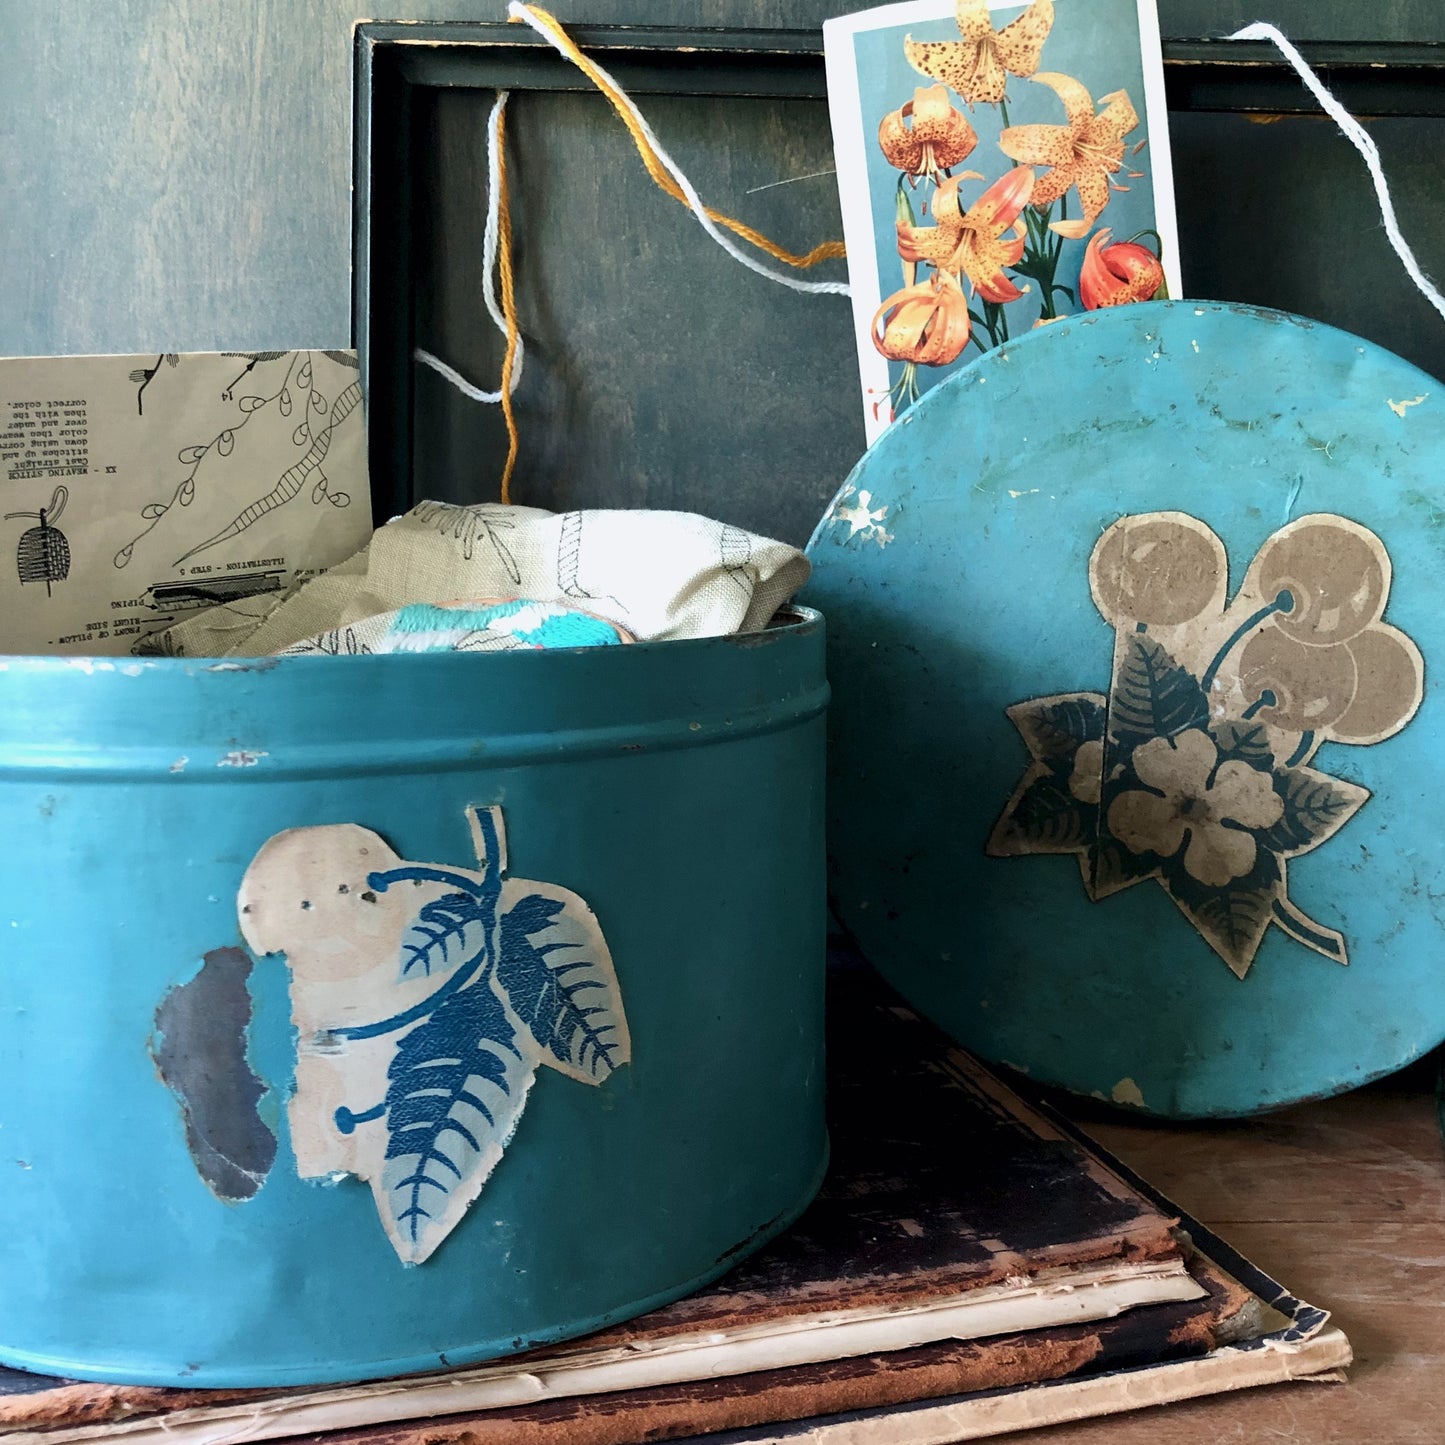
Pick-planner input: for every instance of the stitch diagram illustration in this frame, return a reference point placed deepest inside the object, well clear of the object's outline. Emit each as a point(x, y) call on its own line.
point(317, 418)
point(43, 553)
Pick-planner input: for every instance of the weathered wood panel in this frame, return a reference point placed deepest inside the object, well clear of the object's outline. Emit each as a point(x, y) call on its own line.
point(176, 173)
point(659, 372)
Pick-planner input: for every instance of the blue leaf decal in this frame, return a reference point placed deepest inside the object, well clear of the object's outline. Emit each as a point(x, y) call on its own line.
point(555, 968)
point(457, 1085)
point(448, 931)
point(424, 996)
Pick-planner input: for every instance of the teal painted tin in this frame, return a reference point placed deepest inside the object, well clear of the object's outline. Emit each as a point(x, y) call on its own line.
point(1135, 625)
point(530, 1039)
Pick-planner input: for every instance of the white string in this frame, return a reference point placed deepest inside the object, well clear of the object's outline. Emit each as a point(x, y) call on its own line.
point(491, 236)
point(519, 11)
point(1362, 141)
point(491, 239)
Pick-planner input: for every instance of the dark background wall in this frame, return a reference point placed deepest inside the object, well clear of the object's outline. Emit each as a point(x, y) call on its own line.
point(176, 173)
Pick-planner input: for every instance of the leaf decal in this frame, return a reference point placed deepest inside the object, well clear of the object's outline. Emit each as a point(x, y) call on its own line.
point(555, 968)
point(1153, 695)
point(448, 931)
point(1050, 818)
point(1110, 868)
point(1244, 742)
point(458, 1082)
point(346, 358)
point(415, 1060)
point(1232, 919)
point(1315, 806)
point(1055, 727)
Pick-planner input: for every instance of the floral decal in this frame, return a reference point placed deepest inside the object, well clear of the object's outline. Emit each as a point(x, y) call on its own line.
point(425, 998)
point(1194, 770)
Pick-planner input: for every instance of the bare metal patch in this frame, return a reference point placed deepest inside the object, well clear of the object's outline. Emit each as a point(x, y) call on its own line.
point(199, 1047)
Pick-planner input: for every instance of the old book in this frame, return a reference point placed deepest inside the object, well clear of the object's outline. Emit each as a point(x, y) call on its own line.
point(965, 1241)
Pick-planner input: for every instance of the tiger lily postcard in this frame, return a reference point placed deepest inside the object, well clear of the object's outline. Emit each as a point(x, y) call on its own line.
point(1000, 165)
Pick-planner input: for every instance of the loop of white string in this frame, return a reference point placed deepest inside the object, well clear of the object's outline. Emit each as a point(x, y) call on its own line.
point(1362, 141)
point(518, 11)
point(490, 242)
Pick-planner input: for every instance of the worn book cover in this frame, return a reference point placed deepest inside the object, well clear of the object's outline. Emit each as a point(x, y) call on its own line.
point(965, 1241)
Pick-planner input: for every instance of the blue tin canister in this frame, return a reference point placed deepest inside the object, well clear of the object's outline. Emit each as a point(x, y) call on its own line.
point(529, 1039)
point(1136, 633)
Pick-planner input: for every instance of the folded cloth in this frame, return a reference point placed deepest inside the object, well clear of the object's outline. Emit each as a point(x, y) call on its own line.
point(655, 574)
point(515, 626)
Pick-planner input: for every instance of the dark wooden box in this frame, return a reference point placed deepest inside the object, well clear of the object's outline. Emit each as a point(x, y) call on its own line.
point(659, 373)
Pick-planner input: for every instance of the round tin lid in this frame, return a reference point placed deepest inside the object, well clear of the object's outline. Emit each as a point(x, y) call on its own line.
point(1136, 728)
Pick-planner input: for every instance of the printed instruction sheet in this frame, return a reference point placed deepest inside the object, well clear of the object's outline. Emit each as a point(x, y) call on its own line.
point(135, 490)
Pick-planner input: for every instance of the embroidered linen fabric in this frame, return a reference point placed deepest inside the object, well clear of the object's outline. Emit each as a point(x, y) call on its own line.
point(516, 626)
point(655, 574)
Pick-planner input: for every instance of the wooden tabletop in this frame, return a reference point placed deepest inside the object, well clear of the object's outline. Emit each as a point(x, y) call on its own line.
point(1343, 1202)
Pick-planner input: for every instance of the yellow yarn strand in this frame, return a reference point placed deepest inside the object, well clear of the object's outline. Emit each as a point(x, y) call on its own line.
point(827, 251)
point(509, 305)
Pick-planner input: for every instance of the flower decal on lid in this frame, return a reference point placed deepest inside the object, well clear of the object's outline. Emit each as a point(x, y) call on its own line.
point(1195, 769)
point(1188, 799)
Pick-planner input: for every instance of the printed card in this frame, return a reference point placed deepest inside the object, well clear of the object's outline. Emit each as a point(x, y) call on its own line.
point(999, 166)
point(138, 490)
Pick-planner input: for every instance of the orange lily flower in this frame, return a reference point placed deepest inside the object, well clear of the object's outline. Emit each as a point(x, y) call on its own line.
point(977, 243)
point(927, 135)
point(1118, 274)
point(927, 323)
point(978, 66)
point(1083, 154)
